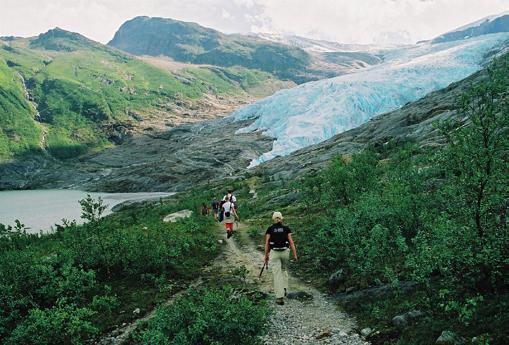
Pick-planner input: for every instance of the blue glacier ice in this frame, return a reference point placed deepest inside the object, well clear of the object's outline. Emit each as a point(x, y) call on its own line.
point(316, 111)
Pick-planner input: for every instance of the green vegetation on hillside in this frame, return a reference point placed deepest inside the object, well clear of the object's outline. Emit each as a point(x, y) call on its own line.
point(398, 213)
point(68, 286)
point(89, 96)
point(79, 282)
point(18, 132)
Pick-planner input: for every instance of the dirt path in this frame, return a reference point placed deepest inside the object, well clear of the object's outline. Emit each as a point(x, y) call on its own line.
point(316, 321)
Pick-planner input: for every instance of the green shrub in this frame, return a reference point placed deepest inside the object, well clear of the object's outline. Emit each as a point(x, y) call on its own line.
point(206, 317)
point(63, 324)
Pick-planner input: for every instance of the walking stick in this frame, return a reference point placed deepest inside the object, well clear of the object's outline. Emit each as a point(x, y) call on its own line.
point(263, 267)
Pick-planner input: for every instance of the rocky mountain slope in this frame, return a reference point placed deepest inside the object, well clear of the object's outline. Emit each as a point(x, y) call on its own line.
point(190, 42)
point(190, 154)
point(67, 95)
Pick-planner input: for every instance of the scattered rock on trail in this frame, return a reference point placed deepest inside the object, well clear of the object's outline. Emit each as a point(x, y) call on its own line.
point(220, 241)
point(325, 334)
point(173, 217)
point(401, 321)
point(366, 331)
point(137, 311)
point(449, 338)
point(300, 296)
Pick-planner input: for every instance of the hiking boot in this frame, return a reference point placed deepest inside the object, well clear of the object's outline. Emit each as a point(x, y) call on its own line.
point(280, 301)
point(286, 293)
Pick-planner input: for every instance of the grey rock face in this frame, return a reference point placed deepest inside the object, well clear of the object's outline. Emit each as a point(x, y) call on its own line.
point(173, 160)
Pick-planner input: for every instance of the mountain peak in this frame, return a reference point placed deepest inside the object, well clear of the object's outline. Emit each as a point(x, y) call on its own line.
point(61, 40)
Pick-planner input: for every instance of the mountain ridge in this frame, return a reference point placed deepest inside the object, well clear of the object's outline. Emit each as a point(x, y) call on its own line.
point(191, 42)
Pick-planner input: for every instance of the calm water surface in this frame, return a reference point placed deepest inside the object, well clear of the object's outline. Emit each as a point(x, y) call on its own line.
point(42, 209)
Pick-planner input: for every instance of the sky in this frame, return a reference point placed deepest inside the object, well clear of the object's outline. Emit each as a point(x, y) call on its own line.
point(345, 21)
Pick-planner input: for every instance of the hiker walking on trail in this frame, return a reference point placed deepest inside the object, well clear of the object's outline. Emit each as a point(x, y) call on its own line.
point(204, 209)
point(215, 209)
point(229, 196)
point(278, 240)
point(229, 216)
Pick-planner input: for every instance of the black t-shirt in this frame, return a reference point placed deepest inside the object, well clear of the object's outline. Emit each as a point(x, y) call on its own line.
point(278, 235)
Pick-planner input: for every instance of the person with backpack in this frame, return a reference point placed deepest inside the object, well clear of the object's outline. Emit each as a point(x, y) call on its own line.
point(278, 240)
point(229, 195)
point(230, 215)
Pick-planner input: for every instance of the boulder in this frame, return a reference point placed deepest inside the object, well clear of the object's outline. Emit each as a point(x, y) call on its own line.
point(366, 331)
point(449, 338)
point(337, 278)
point(375, 292)
point(300, 296)
point(173, 217)
point(401, 321)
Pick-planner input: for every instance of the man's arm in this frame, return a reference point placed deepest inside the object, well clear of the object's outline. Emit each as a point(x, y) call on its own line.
point(267, 249)
point(292, 246)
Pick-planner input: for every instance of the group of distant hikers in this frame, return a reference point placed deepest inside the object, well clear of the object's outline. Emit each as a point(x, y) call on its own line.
point(278, 240)
point(224, 211)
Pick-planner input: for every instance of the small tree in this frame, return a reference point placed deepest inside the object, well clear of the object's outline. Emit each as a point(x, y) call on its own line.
point(476, 158)
point(92, 210)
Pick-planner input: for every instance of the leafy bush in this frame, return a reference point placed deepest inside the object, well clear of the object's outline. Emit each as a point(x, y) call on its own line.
point(65, 277)
point(211, 317)
point(63, 324)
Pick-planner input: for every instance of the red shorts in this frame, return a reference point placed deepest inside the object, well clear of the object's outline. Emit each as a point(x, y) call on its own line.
point(228, 226)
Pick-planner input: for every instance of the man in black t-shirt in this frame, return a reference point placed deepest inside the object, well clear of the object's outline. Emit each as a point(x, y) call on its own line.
point(278, 238)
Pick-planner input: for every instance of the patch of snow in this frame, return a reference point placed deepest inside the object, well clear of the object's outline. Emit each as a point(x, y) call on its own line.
point(316, 111)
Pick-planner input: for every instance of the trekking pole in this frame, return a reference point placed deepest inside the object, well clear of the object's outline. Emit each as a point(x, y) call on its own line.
point(263, 267)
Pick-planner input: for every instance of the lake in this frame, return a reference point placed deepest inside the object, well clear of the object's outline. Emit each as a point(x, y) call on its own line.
point(42, 209)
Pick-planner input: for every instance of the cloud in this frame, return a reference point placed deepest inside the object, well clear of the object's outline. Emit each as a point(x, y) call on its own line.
point(339, 20)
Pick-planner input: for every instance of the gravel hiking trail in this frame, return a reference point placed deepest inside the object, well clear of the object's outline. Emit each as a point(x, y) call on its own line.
point(315, 320)
point(299, 321)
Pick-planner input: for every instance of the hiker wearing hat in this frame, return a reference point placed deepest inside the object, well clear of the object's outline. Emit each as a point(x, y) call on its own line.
point(278, 240)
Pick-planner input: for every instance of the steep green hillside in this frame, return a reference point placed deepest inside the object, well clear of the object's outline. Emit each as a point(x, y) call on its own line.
point(86, 96)
point(190, 42)
point(18, 131)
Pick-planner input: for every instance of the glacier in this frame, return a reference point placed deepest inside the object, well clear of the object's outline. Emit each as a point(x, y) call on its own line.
point(313, 112)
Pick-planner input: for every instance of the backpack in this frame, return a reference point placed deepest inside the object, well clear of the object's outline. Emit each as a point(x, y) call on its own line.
point(228, 213)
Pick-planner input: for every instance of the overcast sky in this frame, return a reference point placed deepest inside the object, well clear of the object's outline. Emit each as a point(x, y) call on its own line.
point(346, 21)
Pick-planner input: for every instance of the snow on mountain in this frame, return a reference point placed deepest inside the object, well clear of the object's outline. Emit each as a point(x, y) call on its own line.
point(316, 111)
point(319, 46)
point(488, 25)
